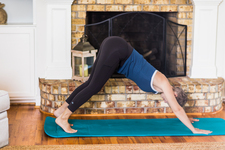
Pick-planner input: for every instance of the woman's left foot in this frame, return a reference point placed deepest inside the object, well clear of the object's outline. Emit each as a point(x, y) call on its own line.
point(63, 123)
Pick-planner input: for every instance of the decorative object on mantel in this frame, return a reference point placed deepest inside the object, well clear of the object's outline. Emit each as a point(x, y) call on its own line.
point(3, 14)
point(83, 57)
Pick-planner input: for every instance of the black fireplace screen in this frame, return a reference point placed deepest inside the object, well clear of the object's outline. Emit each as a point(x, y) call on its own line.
point(161, 42)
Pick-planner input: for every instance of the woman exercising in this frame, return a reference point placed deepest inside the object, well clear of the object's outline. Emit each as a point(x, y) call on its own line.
point(116, 54)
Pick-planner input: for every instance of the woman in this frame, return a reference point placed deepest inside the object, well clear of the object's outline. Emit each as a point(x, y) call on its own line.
point(116, 54)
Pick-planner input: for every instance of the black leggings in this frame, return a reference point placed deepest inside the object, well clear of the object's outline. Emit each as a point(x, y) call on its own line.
point(112, 54)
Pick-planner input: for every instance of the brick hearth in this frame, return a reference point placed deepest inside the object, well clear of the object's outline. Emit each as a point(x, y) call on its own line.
point(123, 96)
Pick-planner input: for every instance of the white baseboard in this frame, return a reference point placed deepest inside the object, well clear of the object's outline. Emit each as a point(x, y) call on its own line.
point(22, 100)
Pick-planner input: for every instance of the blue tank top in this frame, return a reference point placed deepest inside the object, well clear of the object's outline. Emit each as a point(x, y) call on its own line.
point(140, 71)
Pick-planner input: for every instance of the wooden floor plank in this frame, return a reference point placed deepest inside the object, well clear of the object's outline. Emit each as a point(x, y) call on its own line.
point(26, 128)
point(189, 139)
point(122, 140)
point(155, 139)
point(100, 140)
point(132, 139)
point(113, 140)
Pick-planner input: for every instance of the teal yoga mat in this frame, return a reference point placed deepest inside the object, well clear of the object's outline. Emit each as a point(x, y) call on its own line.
point(134, 127)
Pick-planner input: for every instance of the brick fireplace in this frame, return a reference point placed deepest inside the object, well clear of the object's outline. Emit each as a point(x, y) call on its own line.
point(123, 96)
point(184, 9)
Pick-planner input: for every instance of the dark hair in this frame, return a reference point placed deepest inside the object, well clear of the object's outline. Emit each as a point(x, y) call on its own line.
point(181, 96)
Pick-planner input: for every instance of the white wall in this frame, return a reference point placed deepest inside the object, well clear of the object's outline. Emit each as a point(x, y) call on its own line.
point(220, 51)
point(19, 11)
point(205, 25)
point(58, 39)
point(53, 51)
point(41, 37)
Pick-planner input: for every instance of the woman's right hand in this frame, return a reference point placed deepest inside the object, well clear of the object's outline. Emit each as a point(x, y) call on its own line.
point(199, 131)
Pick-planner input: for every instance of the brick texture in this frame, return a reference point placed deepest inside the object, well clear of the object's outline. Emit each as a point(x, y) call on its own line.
point(134, 110)
point(105, 1)
point(81, 15)
point(78, 21)
point(114, 8)
point(132, 8)
point(78, 8)
point(126, 104)
point(170, 8)
point(142, 1)
point(160, 2)
point(185, 8)
point(115, 111)
point(123, 2)
point(95, 8)
point(151, 8)
point(86, 1)
point(178, 1)
point(204, 96)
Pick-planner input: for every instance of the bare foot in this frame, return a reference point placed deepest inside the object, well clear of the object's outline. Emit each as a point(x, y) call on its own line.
point(63, 123)
point(60, 110)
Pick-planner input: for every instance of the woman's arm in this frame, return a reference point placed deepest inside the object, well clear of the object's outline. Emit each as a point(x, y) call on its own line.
point(162, 83)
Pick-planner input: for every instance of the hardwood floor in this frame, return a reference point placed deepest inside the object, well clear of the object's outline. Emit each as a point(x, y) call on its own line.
point(26, 128)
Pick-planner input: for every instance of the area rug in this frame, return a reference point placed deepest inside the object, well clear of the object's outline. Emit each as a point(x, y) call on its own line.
point(150, 146)
point(134, 127)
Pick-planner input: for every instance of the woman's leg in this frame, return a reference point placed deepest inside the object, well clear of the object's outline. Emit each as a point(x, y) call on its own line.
point(62, 108)
point(100, 76)
point(114, 50)
point(109, 60)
